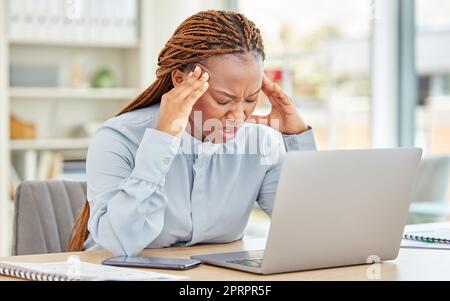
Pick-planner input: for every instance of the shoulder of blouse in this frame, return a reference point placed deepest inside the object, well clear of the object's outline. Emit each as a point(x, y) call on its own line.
point(133, 124)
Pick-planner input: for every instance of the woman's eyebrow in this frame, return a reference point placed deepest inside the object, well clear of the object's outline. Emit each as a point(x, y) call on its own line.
point(234, 97)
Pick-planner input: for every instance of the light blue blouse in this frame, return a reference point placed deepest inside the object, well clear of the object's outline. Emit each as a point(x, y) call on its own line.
point(148, 189)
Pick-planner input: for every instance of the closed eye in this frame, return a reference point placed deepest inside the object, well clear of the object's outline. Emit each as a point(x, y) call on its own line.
point(256, 93)
point(226, 102)
point(223, 102)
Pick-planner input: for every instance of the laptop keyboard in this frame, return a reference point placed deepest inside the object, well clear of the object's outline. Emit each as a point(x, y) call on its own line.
point(251, 262)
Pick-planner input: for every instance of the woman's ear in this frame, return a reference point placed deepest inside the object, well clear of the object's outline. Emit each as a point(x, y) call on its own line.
point(177, 77)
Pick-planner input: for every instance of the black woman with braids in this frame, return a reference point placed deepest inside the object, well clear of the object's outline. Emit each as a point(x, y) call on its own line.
point(185, 161)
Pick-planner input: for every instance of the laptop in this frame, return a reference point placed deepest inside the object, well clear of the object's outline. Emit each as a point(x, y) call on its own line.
point(333, 208)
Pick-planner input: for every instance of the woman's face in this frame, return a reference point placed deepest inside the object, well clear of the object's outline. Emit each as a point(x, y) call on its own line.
point(234, 89)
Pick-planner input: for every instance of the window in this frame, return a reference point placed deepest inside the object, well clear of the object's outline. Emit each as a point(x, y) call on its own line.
point(319, 53)
point(432, 114)
point(433, 66)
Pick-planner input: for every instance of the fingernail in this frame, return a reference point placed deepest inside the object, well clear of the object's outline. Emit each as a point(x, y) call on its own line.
point(191, 73)
point(197, 69)
point(205, 84)
point(205, 75)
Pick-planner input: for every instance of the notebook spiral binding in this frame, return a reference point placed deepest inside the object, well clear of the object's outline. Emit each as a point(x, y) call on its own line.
point(427, 239)
point(35, 276)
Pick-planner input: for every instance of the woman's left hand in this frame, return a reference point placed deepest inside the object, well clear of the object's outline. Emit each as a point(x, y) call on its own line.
point(284, 116)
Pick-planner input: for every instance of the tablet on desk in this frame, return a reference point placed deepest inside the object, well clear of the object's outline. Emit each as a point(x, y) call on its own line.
point(152, 262)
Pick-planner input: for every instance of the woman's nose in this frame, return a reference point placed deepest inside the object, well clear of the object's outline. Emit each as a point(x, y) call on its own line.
point(237, 112)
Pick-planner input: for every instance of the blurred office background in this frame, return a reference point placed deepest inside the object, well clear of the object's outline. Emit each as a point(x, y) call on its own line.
point(363, 73)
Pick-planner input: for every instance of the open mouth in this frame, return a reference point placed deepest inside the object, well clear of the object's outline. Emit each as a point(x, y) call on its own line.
point(225, 132)
point(229, 132)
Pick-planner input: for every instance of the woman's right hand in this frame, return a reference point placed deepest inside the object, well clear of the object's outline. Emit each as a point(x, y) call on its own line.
point(176, 105)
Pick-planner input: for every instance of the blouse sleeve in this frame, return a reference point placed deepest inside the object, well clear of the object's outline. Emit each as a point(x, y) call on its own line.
point(126, 193)
point(267, 192)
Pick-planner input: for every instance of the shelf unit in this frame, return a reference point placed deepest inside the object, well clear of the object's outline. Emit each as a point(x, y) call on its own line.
point(63, 114)
point(55, 111)
point(28, 42)
point(49, 144)
point(64, 106)
point(73, 93)
point(28, 151)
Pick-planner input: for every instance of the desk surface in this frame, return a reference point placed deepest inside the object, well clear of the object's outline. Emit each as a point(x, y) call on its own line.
point(411, 264)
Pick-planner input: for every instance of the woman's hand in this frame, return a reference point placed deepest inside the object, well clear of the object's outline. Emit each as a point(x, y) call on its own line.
point(176, 105)
point(284, 116)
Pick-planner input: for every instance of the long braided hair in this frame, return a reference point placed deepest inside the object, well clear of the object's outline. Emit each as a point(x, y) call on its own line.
point(205, 34)
point(200, 36)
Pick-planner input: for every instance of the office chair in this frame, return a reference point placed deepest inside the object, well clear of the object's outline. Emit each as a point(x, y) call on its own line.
point(431, 187)
point(45, 212)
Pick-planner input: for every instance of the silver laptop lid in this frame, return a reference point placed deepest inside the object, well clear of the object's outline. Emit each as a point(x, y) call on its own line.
point(338, 208)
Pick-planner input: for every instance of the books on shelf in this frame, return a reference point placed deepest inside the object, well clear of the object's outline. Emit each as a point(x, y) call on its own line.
point(81, 21)
point(74, 170)
point(50, 165)
point(53, 165)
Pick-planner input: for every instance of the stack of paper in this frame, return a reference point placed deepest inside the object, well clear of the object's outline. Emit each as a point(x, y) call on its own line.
point(77, 270)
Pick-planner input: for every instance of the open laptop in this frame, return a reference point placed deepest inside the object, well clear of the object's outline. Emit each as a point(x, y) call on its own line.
point(333, 208)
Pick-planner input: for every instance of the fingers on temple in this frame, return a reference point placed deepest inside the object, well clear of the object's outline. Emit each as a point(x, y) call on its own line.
point(196, 94)
point(195, 81)
point(271, 89)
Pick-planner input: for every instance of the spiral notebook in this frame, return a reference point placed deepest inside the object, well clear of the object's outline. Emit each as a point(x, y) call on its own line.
point(81, 271)
point(441, 235)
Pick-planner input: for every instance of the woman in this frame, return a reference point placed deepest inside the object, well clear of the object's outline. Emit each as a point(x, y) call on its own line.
point(185, 161)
